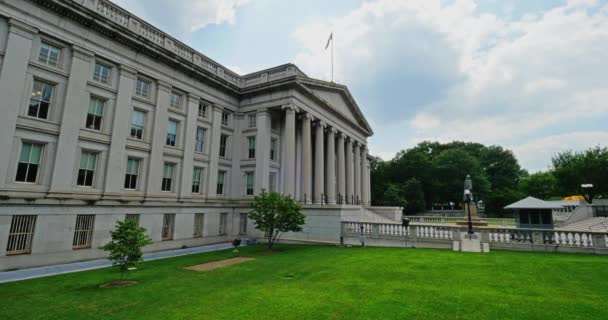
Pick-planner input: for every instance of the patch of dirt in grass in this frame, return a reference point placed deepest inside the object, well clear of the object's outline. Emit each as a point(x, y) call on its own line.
point(118, 284)
point(218, 264)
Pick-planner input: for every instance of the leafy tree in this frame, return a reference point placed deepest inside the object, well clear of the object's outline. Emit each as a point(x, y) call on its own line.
point(496, 200)
point(451, 167)
point(276, 214)
point(571, 169)
point(125, 247)
point(393, 196)
point(541, 185)
point(414, 196)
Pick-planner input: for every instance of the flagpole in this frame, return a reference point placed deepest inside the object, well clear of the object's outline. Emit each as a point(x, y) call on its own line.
point(332, 57)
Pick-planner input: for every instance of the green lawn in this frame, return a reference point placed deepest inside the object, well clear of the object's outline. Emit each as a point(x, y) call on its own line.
point(322, 282)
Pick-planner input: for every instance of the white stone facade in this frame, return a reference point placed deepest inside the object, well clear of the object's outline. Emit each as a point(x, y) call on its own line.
point(104, 115)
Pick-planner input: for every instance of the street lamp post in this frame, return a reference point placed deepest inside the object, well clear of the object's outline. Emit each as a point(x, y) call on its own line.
point(467, 194)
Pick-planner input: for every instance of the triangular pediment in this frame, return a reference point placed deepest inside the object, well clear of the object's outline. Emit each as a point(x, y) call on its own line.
point(338, 97)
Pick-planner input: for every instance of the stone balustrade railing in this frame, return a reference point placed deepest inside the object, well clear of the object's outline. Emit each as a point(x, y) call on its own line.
point(504, 222)
point(126, 20)
point(429, 235)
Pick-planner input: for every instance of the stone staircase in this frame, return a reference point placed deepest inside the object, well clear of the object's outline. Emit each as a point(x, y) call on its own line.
point(596, 224)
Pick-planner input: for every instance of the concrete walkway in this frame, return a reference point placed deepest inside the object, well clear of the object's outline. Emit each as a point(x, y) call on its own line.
point(23, 274)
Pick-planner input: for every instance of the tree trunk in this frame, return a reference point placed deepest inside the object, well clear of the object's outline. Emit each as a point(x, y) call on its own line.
point(270, 238)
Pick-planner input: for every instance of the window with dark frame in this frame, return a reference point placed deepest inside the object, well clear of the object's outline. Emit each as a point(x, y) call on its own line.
point(21, 235)
point(176, 100)
point(251, 147)
point(221, 175)
point(225, 118)
point(86, 171)
point(49, 54)
point(243, 223)
point(202, 110)
point(196, 179)
point(132, 173)
point(223, 143)
point(101, 73)
point(272, 182)
point(273, 149)
point(168, 226)
point(223, 223)
point(249, 179)
point(95, 113)
point(138, 119)
point(29, 162)
point(142, 88)
point(40, 100)
point(132, 217)
point(83, 231)
point(172, 133)
point(199, 222)
point(168, 170)
point(200, 140)
point(252, 121)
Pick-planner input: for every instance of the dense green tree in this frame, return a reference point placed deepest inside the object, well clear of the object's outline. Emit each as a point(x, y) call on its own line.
point(393, 196)
point(414, 195)
point(125, 247)
point(451, 167)
point(496, 200)
point(540, 185)
point(571, 169)
point(276, 214)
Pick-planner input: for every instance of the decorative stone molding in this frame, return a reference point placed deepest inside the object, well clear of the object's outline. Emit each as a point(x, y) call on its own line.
point(164, 86)
point(82, 53)
point(22, 28)
point(127, 71)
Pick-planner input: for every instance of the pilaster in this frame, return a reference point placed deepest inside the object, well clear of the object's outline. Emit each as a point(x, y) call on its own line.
point(12, 78)
point(120, 131)
point(350, 171)
point(319, 190)
point(341, 169)
point(159, 138)
point(306, 175)
point(185, 191)
point(214, 154)
point(357, 168)
point(262, 151)
point(330, 178)
point(74, 111)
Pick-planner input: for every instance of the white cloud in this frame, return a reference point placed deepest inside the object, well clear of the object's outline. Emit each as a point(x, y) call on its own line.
point(513, 81)
point(534, 154)
point(184, 16)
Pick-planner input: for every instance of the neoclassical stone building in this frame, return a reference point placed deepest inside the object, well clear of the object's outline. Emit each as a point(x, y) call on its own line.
point(104, 117)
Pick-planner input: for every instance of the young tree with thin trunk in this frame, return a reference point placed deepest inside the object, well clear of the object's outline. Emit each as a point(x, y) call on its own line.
point(125, 248)
point(276, 214)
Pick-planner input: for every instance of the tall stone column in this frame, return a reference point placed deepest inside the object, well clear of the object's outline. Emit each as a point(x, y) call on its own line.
point(185, 191)
point(262, 151)
point(330, 178)
point(74, 110)
point(306, 177)
point(120, 131)
point(357, 153)
point(12, 78)
point(319, 163)
point(341, 169)
point(350, 171)
point(289, 151)
point(214, 153)
point(159, 138)
point(364, 177)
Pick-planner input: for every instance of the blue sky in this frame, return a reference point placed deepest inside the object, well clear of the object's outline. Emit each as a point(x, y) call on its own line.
point(528, 75)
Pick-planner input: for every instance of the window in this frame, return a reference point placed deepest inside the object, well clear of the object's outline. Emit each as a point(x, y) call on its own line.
point(49, 54)
point(273, 149)
point(221, 175)
point(29, 162)
point(95, 114)
point(176, 100)
point(223, 222)
point(225, 118)
point(132, 173)
point(132, 217)
point(249, 181)
point(40, 101)
point(199, 220)
point(202, 110)
point(138, 119)
point(143, 88)
point(196, 179)
point(21, 235)
point(101, 73)
point(168, 176)
point(272, 182)
point(172, 133)
point(243, 223)
point(251, 147)
point(252, 121)
point(223, 143)
point(200, 140)
point(86, 172)
point(83, 231)
point(168, 226)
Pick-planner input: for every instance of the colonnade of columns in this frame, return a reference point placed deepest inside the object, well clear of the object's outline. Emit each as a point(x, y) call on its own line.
point(340, 174)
